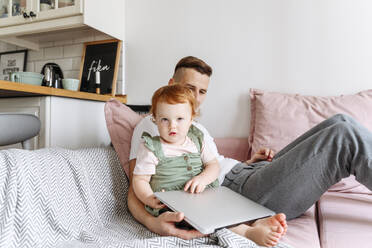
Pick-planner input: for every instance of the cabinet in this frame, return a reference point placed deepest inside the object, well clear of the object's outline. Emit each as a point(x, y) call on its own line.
point(16, 12)
point(65, 122)
point(27, 22)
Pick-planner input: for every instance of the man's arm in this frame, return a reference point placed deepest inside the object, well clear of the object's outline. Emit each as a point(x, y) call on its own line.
point(164, 224)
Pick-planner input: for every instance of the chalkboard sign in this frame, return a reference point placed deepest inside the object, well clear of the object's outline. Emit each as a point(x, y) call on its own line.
point(99, 66)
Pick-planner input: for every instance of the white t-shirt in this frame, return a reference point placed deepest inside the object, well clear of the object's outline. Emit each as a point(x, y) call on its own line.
point(147, 161)
point(146, 125)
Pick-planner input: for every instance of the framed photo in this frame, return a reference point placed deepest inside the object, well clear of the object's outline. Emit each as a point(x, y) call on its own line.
point(99, 66)
point(10, 62)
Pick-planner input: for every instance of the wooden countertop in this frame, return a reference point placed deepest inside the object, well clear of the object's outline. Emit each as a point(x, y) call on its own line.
point(12, 89)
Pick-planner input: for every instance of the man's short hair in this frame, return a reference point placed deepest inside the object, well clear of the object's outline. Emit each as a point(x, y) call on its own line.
point(194, 63)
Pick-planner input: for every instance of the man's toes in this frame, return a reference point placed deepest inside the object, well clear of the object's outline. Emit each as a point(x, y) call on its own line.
point(284, 224)
point(271, 243)
point(280, 217)
point(277, 229)
point(276, 235)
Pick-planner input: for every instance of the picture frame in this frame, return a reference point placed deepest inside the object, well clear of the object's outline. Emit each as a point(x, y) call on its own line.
point(103, 57)
point(12, 61)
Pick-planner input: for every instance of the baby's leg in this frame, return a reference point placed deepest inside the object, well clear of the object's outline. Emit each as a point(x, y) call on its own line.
point(264, 232)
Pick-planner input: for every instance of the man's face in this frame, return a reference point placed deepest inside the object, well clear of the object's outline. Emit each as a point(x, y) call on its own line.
point(195, 81)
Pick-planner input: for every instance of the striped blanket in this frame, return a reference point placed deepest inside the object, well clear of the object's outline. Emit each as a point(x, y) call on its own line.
point(77, 198)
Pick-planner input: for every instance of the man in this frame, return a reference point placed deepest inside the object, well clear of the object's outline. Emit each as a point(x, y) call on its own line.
point(195, 74)
point(289, 182)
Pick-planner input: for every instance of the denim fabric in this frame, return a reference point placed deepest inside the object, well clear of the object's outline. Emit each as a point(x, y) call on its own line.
point(302, 171)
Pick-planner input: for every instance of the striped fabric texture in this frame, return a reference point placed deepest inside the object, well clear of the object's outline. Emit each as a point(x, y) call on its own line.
point(77, 198)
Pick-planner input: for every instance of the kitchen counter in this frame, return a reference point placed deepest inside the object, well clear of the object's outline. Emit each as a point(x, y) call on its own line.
point(12, 89)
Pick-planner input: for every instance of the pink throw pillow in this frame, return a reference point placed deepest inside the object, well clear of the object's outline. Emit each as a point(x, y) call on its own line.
point(236, 148)
point(277, 119)
point(121, 121)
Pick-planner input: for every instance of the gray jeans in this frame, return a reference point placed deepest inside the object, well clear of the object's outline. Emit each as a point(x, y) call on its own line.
point(301, 172)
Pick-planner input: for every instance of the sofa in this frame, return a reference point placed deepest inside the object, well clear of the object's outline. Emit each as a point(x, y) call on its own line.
point(77, 198)
point(341, 217)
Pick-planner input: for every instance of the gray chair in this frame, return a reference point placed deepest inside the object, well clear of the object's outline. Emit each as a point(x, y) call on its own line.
point(18, 128)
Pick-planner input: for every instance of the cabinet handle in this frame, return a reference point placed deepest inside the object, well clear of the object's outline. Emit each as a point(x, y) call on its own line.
point(25, 15)
point(32, 14)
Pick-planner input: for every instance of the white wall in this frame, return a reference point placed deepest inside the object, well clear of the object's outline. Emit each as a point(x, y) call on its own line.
point(318, 47)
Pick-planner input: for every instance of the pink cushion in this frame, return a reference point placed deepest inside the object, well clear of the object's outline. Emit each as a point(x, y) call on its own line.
point(121, 121)
point(302, 231)
point(277, 119)
point(236, 148)
point(349, 185)
point(345, 220)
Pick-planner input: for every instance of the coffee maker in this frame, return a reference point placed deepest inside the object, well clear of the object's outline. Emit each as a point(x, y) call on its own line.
point(53, 75)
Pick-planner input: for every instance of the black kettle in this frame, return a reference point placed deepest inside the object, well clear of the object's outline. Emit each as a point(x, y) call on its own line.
point(53, 75)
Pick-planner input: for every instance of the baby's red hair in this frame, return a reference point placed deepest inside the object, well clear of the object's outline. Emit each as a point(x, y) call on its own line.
point(173, 94)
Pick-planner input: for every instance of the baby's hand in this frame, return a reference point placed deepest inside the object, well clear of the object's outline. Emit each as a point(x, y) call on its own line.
point(153, 202)
point(196, 184)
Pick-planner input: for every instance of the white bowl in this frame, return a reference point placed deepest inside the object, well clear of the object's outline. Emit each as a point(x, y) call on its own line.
point(70, 84)
point(27, 77)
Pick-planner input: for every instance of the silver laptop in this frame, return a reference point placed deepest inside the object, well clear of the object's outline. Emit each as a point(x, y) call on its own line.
point(213, 208)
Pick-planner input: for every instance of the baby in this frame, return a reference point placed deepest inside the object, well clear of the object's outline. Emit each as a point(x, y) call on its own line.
point(178, 159)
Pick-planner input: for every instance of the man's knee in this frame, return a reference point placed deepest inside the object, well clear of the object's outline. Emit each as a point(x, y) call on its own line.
point(342, 127)
point(343, 118)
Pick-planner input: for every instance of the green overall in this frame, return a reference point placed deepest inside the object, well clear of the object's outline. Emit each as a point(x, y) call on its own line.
point(172, 173)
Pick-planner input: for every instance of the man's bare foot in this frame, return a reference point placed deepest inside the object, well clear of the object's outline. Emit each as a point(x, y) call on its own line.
point(263, 235)
point(278, 220)
point(268, 231)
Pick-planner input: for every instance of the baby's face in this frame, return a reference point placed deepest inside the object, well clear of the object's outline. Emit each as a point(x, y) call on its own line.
point(173, 121)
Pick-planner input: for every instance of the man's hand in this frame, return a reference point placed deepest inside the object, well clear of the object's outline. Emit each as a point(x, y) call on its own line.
point(262, 154)
point(165, 225)
point(196, 184)
point(153, 202)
